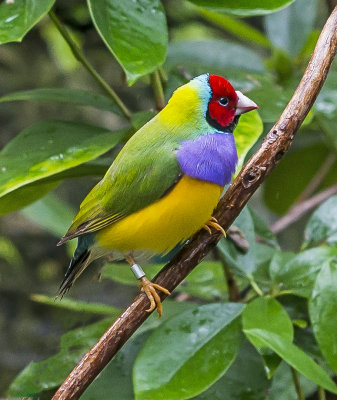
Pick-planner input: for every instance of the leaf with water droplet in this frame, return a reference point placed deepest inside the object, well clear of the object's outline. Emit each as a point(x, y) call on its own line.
point(62, 95)
point(300, 272)
point(243, 8)
point(51, 147)
point(18, 17)
point(197, 350)
point(134, 31)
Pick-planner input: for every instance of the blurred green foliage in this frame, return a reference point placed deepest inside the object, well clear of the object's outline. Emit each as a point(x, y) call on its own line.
point(206, 346)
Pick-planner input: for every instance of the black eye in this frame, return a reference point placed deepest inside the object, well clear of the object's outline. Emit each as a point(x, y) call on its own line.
point(224, 101)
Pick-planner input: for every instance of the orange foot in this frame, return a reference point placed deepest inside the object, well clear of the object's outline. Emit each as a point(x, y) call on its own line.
point(214, 223)
point(150, 290)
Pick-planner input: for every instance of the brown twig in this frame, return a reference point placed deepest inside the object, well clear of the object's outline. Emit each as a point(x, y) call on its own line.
point(232, 286)
point(233, 290)
point(301, 209)
point(249, 179)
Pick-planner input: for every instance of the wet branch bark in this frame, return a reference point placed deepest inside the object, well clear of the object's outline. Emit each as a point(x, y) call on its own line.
point(250, 178)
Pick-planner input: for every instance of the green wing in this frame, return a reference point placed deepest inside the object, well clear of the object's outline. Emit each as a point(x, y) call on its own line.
point(143, 172)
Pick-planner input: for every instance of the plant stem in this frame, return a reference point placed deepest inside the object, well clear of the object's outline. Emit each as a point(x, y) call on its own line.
point(157, 90)
point(233, 290)
point(232, 286)
point(162, 74)
point(321, 393)
point(255, 286)
point(297, 384)
point(87, 65)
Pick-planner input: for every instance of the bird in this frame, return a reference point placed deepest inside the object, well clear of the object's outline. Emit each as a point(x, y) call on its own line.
point(164, 184)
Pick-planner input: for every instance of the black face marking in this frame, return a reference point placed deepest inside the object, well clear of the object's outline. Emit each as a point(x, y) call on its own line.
point(228, 129)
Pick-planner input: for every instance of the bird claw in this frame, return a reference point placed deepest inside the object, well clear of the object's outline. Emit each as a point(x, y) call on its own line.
point(213, 222)
point(149, 289)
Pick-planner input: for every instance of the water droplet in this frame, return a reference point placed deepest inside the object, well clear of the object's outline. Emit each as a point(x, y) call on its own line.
point(3, 169)
point(9, 19)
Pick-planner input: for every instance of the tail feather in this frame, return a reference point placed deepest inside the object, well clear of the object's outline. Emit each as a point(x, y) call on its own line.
point(77, 265)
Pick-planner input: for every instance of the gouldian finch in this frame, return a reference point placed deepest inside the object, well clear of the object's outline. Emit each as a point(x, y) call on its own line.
point(164, 184)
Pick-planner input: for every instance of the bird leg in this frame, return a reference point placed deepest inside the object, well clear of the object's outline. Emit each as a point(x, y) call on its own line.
point(147, 286)
point(214, 223)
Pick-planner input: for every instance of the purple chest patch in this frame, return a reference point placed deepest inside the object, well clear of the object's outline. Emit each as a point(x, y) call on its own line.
point(210, 158)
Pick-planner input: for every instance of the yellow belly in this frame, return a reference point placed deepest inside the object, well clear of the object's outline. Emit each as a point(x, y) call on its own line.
point(160, 226)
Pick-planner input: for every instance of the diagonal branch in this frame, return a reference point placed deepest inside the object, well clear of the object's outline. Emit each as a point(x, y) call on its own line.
point(298, 211)
point(250, 178)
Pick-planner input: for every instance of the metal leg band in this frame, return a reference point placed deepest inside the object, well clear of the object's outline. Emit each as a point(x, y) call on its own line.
point(137, 271)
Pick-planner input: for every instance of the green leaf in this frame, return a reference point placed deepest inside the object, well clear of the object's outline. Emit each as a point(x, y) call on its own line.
point(28, 194)
point(50, 373)
point(25, 195)
point(264, 90)
point(19, 16)
point(262, 229)
point(49, 147)
point(58, 47)
point(171, 308)
point(243, 262)
point(293, 356)
point(263, 256)
point(198, 348)
point(327, 125)
point(50, 213)
point(244, 380)
point(283, 388)
point(115, 381)
point(236, 27)
point(76, 305)
point(292, 22)
point(213, 56)
point(326, 102)
point(206, 281)
point(322, 310)
point(278, 262)
point(10, 253)
point(121, 272)
point(267, 314)
point(322, 225)
point(60, 95)
point(141, 118)
point(299, 274)
point(134, 31)
point(246, 133)
point(243, 8)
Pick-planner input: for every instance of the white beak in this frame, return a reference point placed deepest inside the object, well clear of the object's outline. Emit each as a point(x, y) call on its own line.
point(244, 104)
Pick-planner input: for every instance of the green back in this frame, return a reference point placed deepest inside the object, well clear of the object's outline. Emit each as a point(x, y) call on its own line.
point(143, 172)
